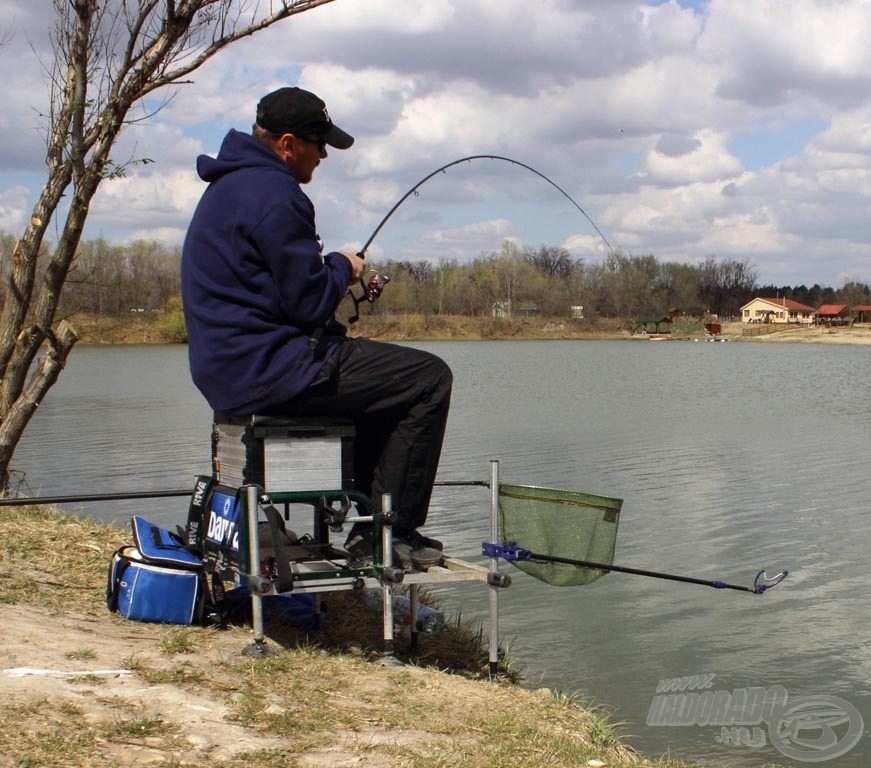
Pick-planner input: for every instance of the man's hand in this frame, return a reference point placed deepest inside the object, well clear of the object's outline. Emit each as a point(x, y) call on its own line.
point(358, 265)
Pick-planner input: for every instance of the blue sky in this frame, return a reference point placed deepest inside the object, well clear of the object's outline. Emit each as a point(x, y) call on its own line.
point(689, 130)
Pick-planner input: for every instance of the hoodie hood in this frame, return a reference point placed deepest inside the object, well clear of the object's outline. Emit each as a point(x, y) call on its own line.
point(238, 151)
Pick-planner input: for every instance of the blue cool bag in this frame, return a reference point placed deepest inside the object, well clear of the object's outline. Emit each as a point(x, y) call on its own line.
point(157, 579)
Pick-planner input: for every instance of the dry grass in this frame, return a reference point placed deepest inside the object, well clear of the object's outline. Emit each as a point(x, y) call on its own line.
point(54, 560)
point(146, 328)
point(127, 693)
point(149, 329)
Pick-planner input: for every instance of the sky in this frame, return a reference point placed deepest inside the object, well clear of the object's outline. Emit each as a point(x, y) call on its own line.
point(736, 129)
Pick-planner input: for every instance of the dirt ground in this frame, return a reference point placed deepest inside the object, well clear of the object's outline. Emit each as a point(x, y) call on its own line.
point(80, 686)
point(89, 666)
point(88, 677)
point(56, 665)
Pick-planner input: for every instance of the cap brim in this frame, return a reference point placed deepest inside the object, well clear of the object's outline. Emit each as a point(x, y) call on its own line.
point(337, 138)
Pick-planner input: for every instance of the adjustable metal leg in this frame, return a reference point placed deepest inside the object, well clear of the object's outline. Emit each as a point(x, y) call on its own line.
point(493, 600)
point(251, 509)
point(388, 659)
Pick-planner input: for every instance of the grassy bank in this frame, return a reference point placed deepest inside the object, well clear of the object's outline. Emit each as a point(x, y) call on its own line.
point(80, 686)
point(148, 328)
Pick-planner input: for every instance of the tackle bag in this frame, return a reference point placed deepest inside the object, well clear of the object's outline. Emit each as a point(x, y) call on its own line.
point(157, 579)
point(215, 529)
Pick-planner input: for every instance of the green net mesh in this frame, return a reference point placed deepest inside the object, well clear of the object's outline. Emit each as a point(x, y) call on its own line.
point(559, 523)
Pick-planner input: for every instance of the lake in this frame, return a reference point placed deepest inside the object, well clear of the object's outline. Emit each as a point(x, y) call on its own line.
point(730, 458)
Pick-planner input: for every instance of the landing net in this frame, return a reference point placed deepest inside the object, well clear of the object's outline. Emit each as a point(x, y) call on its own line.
point(559, 523)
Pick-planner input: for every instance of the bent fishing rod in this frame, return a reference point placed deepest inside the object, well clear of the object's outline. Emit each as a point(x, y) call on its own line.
point(469, 158)
point(512, 552)
point(375, 285)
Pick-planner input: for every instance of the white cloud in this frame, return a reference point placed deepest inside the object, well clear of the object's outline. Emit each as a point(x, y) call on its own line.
point(171, 236)
point(365, 17)
point(454, 243)
point(13, 208)
point(771, 52)
point(703, 157)
point(629, 107)
point(156, 200)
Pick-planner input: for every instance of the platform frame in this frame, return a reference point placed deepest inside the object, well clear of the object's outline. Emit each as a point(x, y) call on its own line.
point(321, 575)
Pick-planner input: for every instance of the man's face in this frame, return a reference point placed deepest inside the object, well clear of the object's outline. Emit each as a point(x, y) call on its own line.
point(302, 154)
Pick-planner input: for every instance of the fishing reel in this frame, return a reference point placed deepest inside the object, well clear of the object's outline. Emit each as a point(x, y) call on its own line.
point(372, 289)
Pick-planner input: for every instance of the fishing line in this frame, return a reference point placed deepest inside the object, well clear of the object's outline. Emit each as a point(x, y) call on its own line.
point(425, 179)
point(372, 288)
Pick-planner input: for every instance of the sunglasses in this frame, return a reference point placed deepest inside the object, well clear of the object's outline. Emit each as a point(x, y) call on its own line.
point(321, 144)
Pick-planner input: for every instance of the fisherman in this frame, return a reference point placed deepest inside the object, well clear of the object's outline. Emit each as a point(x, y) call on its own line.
point(257, 288)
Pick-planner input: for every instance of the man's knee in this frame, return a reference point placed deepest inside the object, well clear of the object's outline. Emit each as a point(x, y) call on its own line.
point(442, 376)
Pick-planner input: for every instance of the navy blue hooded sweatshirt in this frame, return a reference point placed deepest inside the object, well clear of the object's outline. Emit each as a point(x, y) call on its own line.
point(254, 283)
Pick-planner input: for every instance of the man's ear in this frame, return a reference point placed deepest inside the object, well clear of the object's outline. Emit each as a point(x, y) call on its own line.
point(284, 145)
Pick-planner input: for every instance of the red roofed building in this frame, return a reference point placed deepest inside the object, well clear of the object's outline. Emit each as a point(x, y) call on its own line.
point(832, 314)
point(862, 313)
point(778, 310)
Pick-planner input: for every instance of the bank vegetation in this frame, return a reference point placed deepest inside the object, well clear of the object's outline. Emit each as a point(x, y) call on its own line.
point(81, 686)
point(537, 292)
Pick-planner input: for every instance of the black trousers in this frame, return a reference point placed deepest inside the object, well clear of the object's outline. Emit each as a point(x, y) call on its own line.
point(398, 398)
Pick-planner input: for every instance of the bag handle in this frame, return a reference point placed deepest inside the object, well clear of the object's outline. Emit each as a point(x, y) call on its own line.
point(195, 528)
point(282, 562)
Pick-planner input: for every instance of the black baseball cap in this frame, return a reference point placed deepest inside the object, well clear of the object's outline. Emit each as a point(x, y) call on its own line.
point(293, 110)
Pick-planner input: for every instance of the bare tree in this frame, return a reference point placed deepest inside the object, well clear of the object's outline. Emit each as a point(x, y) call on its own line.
point(854, 294)
point(108, 56)
point(726, 284)
point(550, 260)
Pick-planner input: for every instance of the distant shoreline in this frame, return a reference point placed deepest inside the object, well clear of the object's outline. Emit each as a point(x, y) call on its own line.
point(855, 335)
point(140, 329)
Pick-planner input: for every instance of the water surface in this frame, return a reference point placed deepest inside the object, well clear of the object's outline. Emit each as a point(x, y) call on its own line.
point(730, 458)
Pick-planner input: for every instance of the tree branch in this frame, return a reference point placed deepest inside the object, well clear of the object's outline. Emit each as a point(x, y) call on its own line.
point(97, 78)
point(288, 8)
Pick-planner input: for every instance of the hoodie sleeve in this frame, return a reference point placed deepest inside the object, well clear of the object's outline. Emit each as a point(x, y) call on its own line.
point(308, 285)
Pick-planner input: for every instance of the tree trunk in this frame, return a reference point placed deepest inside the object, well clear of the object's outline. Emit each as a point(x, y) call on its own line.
point(107, 58)
point(16, 419)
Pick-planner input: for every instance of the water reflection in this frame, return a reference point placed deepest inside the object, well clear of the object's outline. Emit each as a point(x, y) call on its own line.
point(730, 458)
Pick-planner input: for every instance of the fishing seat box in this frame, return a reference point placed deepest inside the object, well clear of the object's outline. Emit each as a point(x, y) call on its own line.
point(283, 453)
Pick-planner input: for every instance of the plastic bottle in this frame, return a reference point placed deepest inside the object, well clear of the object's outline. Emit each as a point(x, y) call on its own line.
point(428, 619)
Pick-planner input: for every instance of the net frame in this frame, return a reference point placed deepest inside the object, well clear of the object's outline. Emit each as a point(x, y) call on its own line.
point(556, 522)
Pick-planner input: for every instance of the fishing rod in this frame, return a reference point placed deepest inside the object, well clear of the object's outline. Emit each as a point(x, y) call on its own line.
point(375, 285)
point(87, 498)
point(23, 501)
point(469, 158)
point(512, 552)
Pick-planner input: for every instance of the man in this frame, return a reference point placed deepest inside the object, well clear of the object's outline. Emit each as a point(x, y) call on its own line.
point(257, 287)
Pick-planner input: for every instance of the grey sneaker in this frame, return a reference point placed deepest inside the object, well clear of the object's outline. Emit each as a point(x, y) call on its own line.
point(414, 554)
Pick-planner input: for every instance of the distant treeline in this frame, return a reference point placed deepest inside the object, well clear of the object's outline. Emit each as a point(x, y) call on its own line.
point(111, 280)
point(114, 280)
